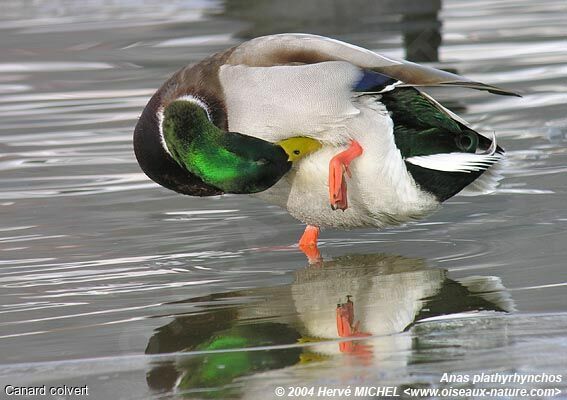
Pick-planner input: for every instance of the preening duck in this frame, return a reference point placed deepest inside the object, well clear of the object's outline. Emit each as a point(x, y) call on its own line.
point(294, 118)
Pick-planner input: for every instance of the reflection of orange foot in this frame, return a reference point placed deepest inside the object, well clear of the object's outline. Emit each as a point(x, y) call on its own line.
point(338, 167)
point(308, 244)
point(345, 319)
point(346, 327)
point(361, 350)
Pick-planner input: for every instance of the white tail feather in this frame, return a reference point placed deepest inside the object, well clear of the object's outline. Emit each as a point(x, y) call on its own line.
point(493, 146)
point(487, 182)
point(456, 162)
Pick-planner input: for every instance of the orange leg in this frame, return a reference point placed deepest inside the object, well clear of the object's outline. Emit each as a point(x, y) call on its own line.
point(308, 243)
point(346, 327)
point(338, 167)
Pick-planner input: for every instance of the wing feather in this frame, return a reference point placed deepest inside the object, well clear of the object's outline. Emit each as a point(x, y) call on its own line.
point(290, 48)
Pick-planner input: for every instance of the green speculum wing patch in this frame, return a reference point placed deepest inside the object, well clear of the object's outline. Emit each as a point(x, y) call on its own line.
point(420, 128)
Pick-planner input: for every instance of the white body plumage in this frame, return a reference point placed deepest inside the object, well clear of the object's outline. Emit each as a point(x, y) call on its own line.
point(317, 101)
point(291, 85)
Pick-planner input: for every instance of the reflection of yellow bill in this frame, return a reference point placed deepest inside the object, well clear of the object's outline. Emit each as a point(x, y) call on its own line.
point(309, 356)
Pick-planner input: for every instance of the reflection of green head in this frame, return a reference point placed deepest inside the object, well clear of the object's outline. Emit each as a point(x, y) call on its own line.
point(229, 161)
point(220, 369)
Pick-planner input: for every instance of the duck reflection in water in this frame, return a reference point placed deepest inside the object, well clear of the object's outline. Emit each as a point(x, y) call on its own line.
point(369, 299)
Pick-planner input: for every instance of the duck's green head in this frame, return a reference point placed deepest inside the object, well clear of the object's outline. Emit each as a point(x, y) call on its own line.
point(229, 161)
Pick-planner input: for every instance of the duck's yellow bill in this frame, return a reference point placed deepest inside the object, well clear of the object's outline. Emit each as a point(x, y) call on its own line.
point(298, 147)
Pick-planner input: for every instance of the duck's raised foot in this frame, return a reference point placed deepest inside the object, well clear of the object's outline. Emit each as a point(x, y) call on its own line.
point(338, 167)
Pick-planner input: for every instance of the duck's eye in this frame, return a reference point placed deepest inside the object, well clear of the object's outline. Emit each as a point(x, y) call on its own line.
point(296, 152)
point(262, 161)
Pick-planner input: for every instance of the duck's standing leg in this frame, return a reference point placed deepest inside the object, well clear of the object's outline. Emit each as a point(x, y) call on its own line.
point(308, 243)
point(338, 167)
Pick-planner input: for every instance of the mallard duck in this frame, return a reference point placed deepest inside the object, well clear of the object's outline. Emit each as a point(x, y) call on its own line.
point(293, 118)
